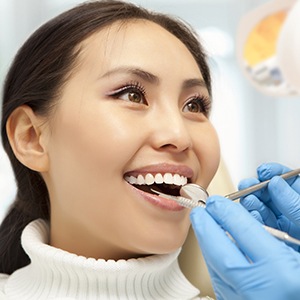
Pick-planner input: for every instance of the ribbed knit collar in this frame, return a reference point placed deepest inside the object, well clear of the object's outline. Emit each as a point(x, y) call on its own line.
point(57, 274)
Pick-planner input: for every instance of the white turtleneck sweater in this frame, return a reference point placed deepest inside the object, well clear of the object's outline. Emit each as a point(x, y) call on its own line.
point(60, 275)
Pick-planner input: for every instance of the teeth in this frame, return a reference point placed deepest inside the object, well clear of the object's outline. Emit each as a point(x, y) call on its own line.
point(149, 179)
point(140, 180)
point(159, 178)
point(168, 178)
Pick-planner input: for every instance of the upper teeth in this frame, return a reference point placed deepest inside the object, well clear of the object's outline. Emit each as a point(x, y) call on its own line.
point(149, 179)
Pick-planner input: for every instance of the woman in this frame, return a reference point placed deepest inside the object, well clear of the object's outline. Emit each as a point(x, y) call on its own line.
point(101, 104)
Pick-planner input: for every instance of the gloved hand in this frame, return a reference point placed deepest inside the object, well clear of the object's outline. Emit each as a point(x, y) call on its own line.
point(278, 205)
point(255, 266)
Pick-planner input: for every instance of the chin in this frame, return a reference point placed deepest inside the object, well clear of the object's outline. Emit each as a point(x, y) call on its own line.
point(167, 244)
point(166, 250)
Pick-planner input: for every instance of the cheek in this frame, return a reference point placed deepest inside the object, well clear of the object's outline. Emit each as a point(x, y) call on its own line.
point(87, 158)
point(95, 141)
point(207, 150)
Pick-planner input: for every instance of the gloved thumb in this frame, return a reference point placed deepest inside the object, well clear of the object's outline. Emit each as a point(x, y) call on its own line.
point(285, 199)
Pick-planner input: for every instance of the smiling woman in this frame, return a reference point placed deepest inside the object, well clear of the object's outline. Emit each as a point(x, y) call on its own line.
point(101, 104)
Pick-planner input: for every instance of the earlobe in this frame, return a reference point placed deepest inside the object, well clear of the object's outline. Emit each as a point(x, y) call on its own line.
point(25, 131)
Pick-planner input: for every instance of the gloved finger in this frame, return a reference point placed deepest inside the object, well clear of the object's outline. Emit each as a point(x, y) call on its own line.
point(246, 231)
point(261, 194)
point(269, 170)
point(218, 249)
point(256, 215)
point(245, 183)
point(285, 198)
point(252, 203)
point(293, 230)
point(221, 287)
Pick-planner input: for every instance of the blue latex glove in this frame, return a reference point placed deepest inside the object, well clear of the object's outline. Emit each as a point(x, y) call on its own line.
point(257, 266)
point(278, 205)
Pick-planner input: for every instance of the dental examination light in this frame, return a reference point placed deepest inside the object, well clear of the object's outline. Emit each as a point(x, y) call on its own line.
point(268, 47)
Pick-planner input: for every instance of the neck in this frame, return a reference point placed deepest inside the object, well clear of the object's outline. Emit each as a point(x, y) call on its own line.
point(59, 273)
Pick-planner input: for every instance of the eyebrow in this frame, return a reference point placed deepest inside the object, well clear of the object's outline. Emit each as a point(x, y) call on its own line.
point(151, 78)
point(190, 83)
point(134, 71)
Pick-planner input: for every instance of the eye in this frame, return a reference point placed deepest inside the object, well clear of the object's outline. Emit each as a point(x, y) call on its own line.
point(198, 104)
point(133, 92)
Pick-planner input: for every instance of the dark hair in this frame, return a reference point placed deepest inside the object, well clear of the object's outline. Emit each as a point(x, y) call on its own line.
point(36, 77)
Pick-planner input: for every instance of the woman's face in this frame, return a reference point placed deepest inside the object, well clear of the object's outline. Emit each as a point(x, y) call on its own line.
point(134, 109)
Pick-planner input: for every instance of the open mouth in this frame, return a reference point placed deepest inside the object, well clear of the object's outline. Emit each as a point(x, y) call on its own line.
point(169, 189)
point(168, 183)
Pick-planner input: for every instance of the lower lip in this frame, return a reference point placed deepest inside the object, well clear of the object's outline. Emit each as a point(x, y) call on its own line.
point(158, 201)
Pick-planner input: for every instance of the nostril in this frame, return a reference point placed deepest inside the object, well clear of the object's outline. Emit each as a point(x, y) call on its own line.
point(176, 147)
point(173, 139)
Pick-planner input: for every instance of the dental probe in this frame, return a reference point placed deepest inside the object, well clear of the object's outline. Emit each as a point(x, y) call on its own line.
point(190, 203)
point(193, 195)
point(259, 186)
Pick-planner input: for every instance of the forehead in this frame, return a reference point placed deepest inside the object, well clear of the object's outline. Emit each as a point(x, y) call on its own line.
point(135, 41)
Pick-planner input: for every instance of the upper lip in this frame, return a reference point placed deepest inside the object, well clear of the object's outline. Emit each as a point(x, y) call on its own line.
point(163, 168)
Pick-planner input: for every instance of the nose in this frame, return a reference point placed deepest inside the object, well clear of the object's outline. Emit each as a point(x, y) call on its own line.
point(171, 131)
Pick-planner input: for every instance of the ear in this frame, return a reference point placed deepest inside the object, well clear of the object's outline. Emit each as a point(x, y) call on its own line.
point(27, 135)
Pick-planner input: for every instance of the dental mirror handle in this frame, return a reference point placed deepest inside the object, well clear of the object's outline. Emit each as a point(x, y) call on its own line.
point(259, 186)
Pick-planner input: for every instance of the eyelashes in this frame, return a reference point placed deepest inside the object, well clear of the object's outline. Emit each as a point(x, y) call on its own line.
point(135, 92)
point(198, 104)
